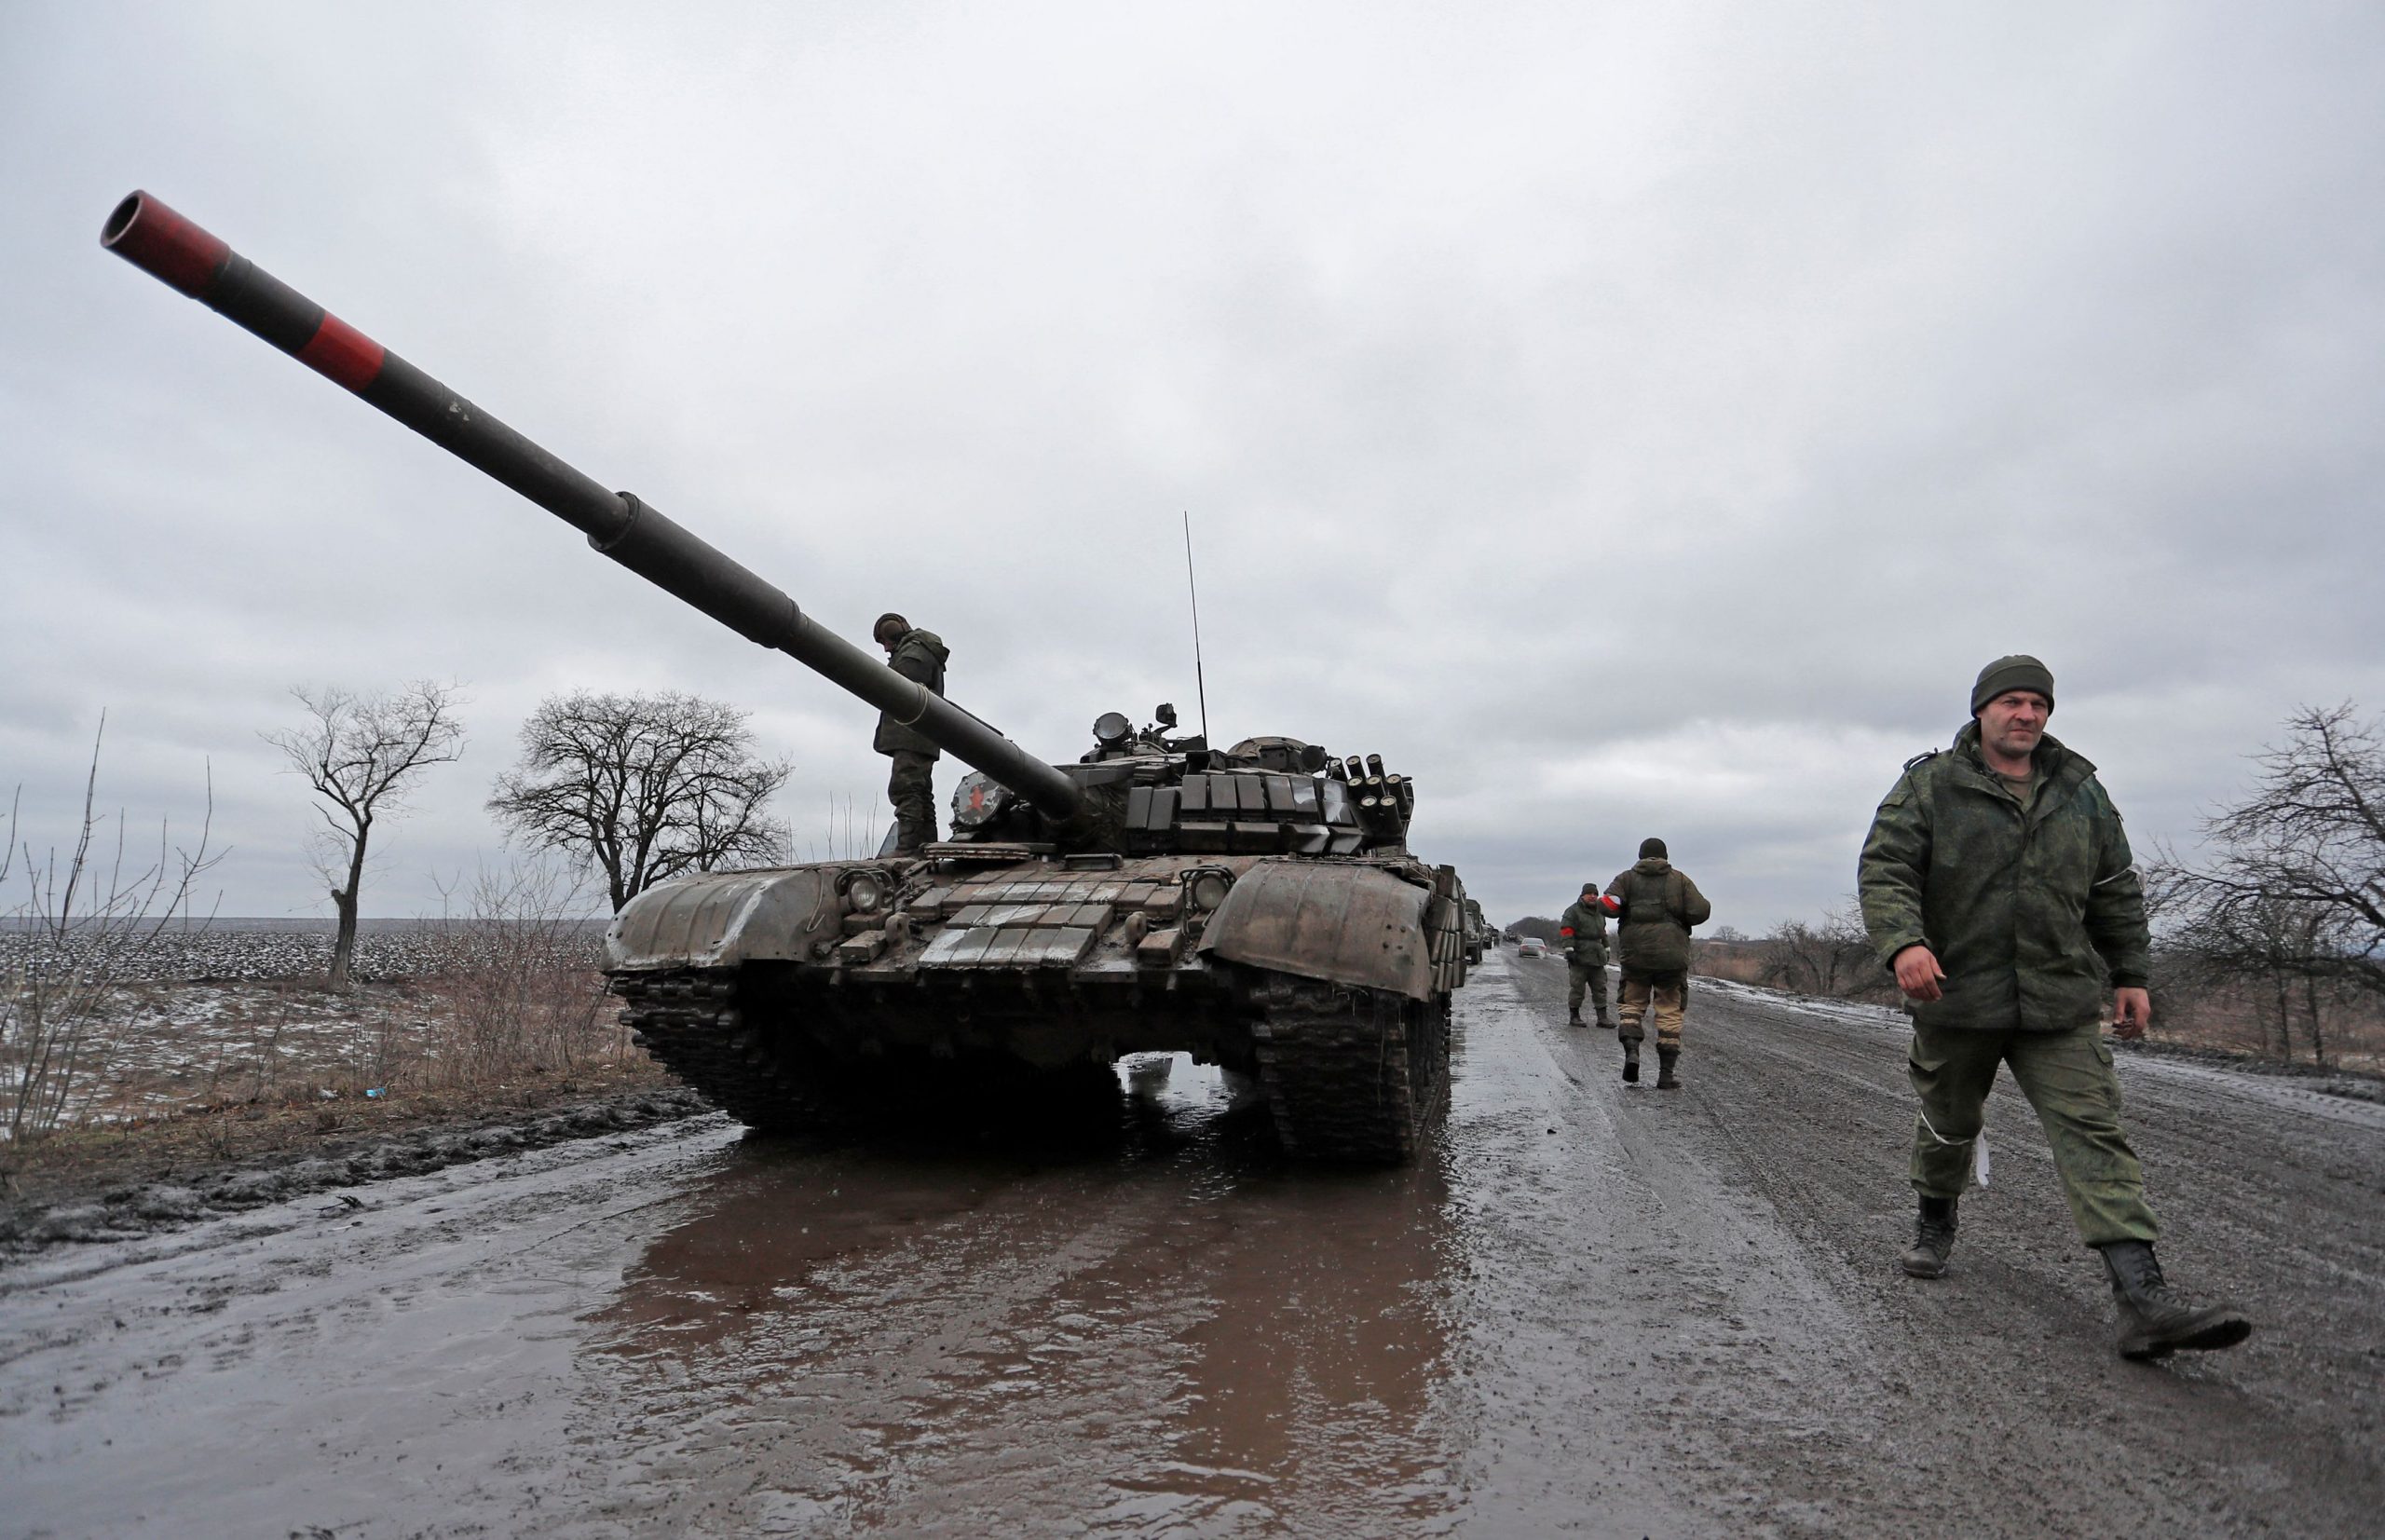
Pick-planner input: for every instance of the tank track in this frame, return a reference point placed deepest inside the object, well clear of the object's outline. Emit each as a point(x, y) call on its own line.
point(695, 1023)
point(1352, 1076)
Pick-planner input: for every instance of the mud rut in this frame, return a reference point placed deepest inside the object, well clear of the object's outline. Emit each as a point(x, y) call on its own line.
point(1589, 1309)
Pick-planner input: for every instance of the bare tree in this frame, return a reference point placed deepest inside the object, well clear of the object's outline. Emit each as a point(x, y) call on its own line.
point(644, 787)
point(2299, 864)
point(86, 916)
point(362, 755)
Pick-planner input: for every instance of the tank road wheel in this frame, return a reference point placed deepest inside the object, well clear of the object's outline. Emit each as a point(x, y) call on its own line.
point(1350, 1075)
point(696, 1026)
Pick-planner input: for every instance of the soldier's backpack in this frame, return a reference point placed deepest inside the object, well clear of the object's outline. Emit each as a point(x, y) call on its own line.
point(1669, 905)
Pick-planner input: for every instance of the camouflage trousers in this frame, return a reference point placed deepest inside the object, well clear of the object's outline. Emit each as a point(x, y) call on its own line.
point(1586, 976)
point(1667, 993)
point(911, 788)
point(2068, 1079)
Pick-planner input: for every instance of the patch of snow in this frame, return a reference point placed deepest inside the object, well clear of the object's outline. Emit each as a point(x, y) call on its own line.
point(1887, 1018)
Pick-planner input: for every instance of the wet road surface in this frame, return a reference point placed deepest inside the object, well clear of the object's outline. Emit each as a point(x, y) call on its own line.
point(1598, 1310)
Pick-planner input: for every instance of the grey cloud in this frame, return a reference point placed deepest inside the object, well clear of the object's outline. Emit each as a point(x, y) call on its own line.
point(1624, 420)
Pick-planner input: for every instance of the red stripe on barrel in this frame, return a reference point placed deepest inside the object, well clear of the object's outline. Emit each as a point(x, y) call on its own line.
point(341, 354)
point(155, 239)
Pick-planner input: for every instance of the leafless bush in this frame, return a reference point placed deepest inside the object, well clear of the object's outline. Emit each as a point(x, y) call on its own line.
point(524, 990)
point(88, 908)
point(2271, 1014)
point(1832, 959)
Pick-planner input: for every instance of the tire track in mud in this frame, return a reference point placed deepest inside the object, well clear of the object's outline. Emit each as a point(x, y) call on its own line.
point(1650, 1340)
point(1997, 1382)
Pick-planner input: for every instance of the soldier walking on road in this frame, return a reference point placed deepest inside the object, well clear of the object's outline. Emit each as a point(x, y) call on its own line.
point(1658, 907)
point(1997, 886)
point(1583, 928)
point(918, 656)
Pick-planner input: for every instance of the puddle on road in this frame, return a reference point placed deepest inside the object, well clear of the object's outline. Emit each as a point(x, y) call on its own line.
point(1175, 1333)
point(1146, 1323)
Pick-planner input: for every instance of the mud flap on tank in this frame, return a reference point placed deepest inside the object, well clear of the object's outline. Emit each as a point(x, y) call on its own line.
point(723, 919)
point(1348, 924)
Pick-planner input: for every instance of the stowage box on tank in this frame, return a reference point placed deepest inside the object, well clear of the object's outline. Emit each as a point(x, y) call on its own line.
point(1255, 905)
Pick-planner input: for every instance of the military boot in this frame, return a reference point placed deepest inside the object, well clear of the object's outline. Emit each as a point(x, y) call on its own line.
point(1631, 1061)
point(2155, 1323)
point(1666, 1059)
point(1933, 1238)
point(1573, 1016)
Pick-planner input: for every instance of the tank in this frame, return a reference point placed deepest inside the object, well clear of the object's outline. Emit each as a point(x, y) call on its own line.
point(1480, 936)
point(1255, 905)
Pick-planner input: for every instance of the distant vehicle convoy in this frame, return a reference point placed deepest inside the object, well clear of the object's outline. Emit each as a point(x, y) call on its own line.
point(1479, 935)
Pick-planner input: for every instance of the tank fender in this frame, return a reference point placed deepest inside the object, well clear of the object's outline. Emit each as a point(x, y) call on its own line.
point(722, 919)
point(1348, 924)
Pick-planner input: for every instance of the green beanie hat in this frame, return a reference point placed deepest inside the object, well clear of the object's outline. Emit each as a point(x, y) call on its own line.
point(1650, 848)
point(2018, 672)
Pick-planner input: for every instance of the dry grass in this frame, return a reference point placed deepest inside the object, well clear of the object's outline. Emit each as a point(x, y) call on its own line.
point(2257, 1019)
point(196, 1072)
point(165, 1048)
point(511, 996)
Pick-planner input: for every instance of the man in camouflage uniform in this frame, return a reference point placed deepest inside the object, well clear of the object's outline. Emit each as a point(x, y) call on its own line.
point(1656, 908)
point(918, 656)
point(1583, 928)
point(1999, 887)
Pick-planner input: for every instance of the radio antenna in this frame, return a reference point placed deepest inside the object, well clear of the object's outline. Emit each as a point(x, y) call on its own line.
point(1200, 684)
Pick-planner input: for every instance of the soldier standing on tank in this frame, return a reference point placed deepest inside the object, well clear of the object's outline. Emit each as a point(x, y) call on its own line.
point(1656, 908)
point(1583, 928)
point(918, 656)
point(1998, 888)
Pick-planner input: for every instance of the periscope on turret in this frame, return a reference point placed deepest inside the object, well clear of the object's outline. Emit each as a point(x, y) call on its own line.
point(1256, 906)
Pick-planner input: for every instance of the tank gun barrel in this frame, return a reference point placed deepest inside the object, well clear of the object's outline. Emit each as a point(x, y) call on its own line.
point(172, 249)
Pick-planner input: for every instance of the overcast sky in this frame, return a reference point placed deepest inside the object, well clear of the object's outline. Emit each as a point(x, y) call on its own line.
point(1627, 419)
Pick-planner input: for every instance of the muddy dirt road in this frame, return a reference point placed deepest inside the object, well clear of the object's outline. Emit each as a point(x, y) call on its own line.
point(1599, 1310)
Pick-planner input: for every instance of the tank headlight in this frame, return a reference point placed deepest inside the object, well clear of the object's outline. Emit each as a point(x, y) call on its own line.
point(1206, 891)
point(864, 892)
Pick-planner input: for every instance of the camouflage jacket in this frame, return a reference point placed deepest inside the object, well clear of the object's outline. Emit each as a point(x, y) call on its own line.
point(1660, 906)
point(2026, 912)
point(1585, 927)
point(918, 656)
